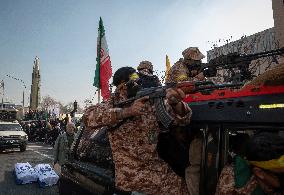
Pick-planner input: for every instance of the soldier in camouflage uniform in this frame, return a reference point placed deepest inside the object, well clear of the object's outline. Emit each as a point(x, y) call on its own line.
point(185, 68)
point(147, 78)
point(133, 135)
point(259, 171)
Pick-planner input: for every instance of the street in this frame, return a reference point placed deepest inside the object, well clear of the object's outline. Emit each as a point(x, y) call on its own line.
point(36, 153)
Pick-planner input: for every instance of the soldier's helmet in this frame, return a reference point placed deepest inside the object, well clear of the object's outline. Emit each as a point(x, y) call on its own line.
point(192, 53)
point(145, 65)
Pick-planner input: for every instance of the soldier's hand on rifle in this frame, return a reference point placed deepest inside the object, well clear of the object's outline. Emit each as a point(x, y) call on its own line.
point(200, 76)
point(136, 109)
point(174, 96)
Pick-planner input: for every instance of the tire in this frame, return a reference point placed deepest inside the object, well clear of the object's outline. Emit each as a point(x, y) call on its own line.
point(23, 148)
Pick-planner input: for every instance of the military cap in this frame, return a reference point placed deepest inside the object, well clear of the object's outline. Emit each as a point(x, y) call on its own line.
point(145, 65)
point(192, 53)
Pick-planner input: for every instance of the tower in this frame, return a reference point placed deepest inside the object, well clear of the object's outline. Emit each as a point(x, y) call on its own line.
point(35, 87)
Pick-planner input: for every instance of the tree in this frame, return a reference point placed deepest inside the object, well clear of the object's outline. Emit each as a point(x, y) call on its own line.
point(48, 102)
point(87, 103)
point(67, 108)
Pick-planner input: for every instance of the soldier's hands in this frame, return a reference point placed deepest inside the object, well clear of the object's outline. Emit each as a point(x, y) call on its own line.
point(174, 95)
point(137, 108)
point(200, 76)
point(267, 181)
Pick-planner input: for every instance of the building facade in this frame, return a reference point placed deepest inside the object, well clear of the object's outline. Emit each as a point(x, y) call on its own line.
point(35, 87)
point(278, 16)
point(267, 40)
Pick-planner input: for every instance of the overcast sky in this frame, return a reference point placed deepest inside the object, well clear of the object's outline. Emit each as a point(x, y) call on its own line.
point(63, 34)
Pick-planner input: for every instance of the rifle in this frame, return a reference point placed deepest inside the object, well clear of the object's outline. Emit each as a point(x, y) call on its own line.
point(157, 95)
point(235, 60)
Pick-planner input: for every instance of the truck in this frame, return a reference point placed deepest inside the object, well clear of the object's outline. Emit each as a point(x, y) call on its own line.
point(11, 133)
point(223, 118)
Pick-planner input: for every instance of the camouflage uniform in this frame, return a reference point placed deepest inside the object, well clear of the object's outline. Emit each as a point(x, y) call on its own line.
point(179, 71)
point(133, 143)
point(226, 184)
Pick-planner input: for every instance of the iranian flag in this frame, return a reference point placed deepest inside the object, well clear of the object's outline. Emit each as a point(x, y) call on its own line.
point(103, 68)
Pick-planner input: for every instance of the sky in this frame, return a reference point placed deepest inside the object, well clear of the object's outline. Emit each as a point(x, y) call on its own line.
point(63, 34)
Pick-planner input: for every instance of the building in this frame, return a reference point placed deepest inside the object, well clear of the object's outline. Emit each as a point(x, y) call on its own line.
point(267, 40)
point(35, 87)
point(278, 16)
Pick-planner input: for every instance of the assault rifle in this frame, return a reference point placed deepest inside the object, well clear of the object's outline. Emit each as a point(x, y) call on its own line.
point(235, 60)
point(157, 95)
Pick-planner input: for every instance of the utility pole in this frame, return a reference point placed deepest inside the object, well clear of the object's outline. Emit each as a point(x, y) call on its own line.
point(3, 87)
point(24, 85)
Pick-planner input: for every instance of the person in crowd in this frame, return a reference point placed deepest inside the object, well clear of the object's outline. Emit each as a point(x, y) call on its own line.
point(260, 172)
point(187, 68)
point(133, 133)
point(48, 132)
point(146, 76)
point(62, 146)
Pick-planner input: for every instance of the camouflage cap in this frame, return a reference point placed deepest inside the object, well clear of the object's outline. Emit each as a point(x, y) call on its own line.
point(192, 53)
point(145, 65)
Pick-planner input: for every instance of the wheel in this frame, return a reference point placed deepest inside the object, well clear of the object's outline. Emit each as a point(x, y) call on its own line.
point(23, 148)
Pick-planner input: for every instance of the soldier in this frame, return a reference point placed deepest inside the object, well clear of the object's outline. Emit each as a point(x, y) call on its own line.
point(147, 78)
point(186, 68)
point(260, 171)
point(133, 135)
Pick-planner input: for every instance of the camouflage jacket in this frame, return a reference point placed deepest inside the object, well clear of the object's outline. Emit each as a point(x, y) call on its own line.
point(137, 164)
point(179, 72)
point(226, 184)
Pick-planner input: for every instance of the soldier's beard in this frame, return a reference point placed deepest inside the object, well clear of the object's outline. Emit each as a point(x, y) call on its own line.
point(132, 89)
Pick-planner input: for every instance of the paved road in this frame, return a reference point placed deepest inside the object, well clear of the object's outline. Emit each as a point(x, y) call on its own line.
point(36, 153)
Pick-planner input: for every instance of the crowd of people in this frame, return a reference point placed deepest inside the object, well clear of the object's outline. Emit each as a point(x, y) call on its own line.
point(45, 131)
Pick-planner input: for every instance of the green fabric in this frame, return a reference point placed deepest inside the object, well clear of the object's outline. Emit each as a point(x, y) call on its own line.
point(242, 175)
point(97, 72)
point(242, 172)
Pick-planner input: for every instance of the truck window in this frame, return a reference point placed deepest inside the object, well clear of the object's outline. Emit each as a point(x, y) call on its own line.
point(10, 127)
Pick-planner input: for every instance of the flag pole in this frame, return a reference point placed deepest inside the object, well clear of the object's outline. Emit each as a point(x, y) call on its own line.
point(99, 57)
point(99, 95)
point(3, 87)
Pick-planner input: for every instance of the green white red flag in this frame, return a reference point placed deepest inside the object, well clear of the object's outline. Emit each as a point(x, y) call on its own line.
point(103, 68)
